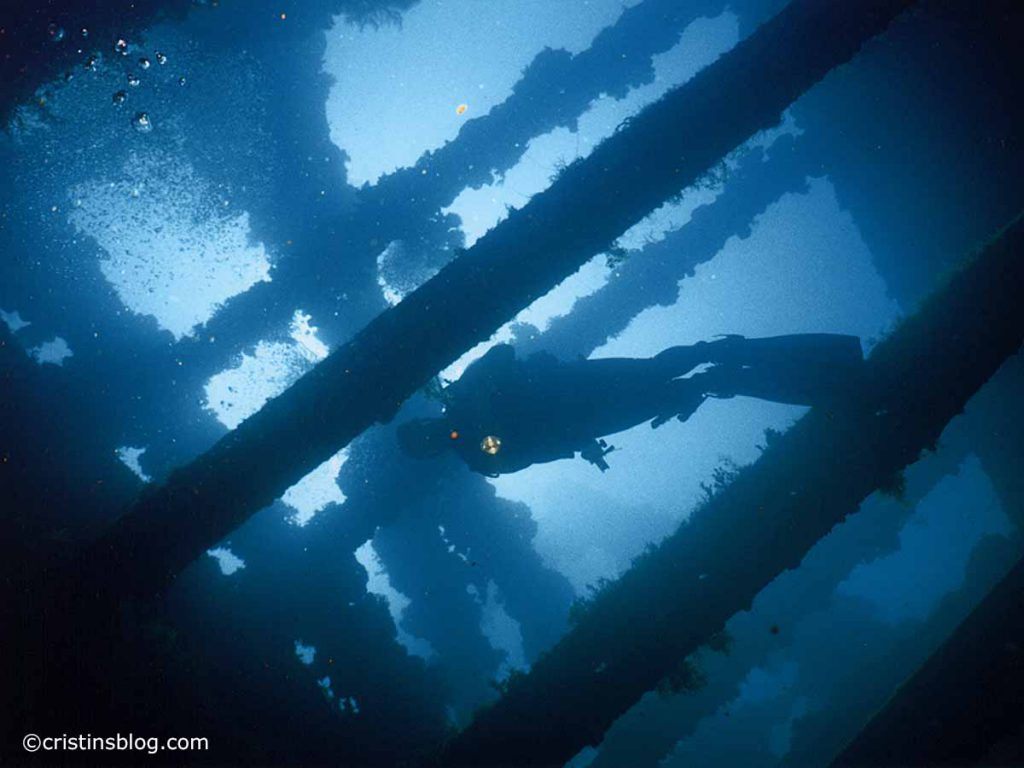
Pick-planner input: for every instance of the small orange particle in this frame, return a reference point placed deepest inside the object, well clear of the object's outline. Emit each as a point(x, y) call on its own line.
point(461, 109)
point(454, 435)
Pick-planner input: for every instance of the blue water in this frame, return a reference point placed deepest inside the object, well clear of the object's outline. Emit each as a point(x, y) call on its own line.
point(173, 257)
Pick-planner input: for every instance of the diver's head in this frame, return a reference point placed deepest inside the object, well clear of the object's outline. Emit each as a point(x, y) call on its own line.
point(424, 438)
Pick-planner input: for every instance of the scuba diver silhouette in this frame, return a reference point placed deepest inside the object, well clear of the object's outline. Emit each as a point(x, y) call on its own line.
point(505, 414)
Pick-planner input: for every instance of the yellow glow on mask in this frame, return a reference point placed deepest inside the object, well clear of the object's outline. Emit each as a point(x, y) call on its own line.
point(490, 445)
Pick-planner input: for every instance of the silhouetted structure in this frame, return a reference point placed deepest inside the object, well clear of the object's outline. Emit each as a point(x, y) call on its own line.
point(646, 734)
point(593, 202)
point(965, 706)
point(683, 591)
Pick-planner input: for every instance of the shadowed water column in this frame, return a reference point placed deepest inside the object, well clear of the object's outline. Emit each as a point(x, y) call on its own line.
point(591, 204)
point(43, 474)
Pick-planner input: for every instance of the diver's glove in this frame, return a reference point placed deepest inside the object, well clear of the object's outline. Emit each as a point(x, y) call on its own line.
point(595, 451)
point(690, 400)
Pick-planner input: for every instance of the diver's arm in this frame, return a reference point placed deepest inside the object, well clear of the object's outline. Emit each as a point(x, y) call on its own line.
point(507, 461)
point(498, 365)
point(471, 397)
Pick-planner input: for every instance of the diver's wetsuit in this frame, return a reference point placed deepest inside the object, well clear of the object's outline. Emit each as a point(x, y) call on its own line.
point(542, 409)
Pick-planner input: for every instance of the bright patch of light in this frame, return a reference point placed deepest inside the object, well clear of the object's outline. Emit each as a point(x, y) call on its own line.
point(316, 490)
point(391, 294)
point(401, 269)
point(803, 256)
point(228, 561)
point(237, 393)
point(700, 44)
point(349, 705)
point(305, 336)
point(324, 683)
point(174, 247)
point(935, 546)
point(13, 320)
point(396, 89)
point(378, 583)
point(130, 458)
point(346, 704)
point(560, 299)
point(53, 352)
point(306, 653)
point(502, 631)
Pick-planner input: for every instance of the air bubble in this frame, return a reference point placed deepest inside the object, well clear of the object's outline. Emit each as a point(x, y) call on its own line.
point(121, 46)
point(55, 33)
point(133, 80)
point(160, 58)
point(142, 123)
point(119, 98)
point(144, 62)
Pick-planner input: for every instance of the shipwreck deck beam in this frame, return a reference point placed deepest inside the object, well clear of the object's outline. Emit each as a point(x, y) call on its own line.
point(966, 704)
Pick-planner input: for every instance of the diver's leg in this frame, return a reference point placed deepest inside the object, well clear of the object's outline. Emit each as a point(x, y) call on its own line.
point(678, 361)
point(794, 350)
point(618, 394)
point(794, 383)
point(595, 398)
point(668, 364)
